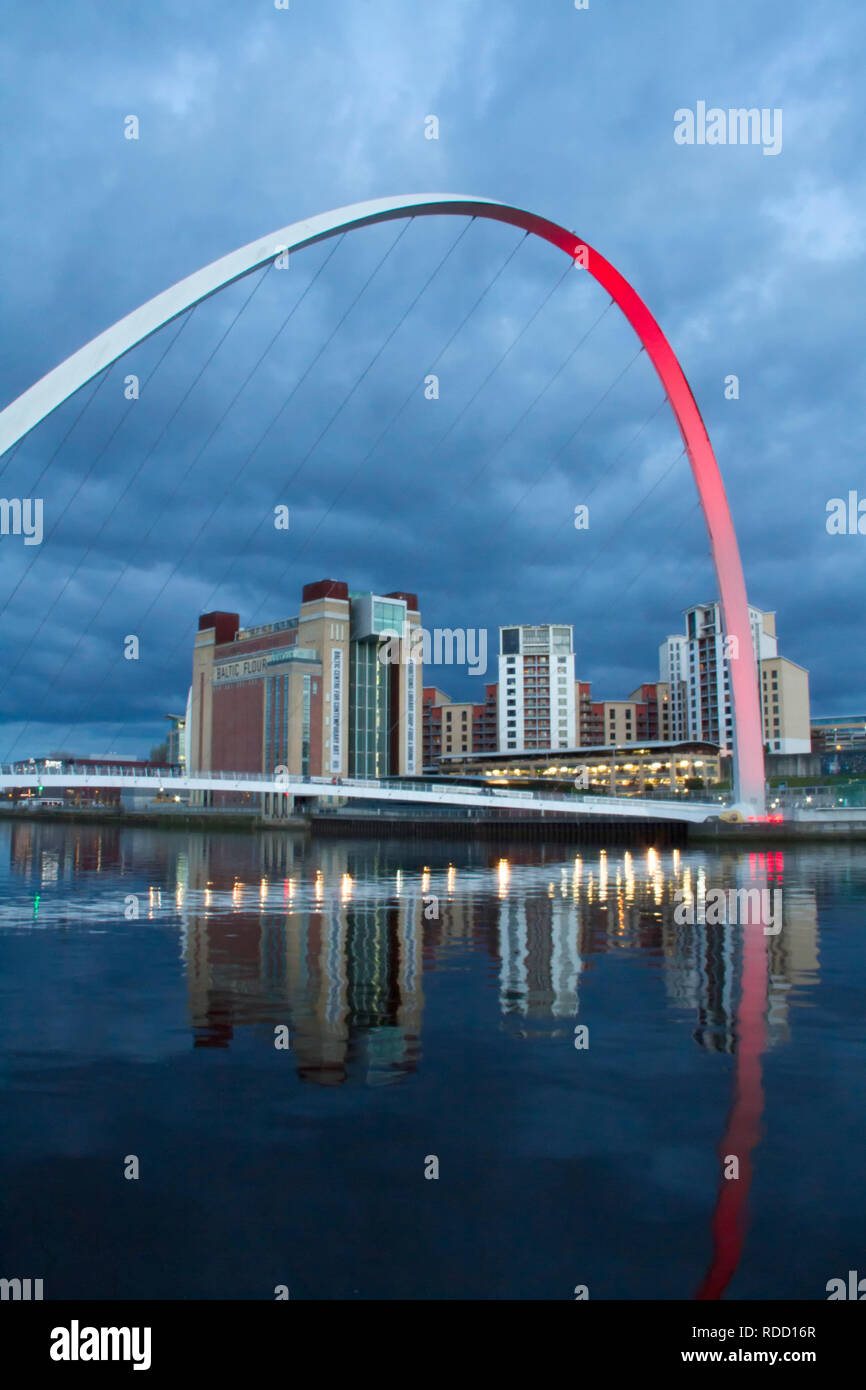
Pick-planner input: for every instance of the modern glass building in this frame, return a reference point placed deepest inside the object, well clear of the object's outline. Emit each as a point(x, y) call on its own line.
point(369, 711)
point(375, 684)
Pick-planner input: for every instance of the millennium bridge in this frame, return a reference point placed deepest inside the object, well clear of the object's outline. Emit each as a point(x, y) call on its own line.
point(282, 788)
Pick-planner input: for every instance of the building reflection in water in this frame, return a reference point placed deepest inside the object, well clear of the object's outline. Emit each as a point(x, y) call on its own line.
point(297, 948)
point(539, 952)
point(333, 938)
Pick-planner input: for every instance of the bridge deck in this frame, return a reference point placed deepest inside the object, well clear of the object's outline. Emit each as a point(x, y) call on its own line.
point(434, 794)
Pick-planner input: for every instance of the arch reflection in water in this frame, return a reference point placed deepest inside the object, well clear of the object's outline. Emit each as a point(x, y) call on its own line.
point(343, 962)
point(333, 939)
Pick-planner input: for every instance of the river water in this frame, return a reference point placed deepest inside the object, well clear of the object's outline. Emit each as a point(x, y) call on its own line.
point(238, 1063)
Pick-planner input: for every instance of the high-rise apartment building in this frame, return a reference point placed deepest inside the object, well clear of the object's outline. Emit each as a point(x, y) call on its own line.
point(536, 706)
point(673, 670)
point(695, 667)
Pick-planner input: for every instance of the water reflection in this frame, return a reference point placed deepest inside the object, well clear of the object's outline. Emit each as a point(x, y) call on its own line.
point(334, 938)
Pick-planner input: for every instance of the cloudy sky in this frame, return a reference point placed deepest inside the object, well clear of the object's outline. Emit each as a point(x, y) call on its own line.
point(305, 386)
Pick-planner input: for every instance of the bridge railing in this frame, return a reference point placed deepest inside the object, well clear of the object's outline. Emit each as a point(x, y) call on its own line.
point(334, 786)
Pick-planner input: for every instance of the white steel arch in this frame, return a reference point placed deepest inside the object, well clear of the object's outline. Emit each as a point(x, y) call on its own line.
point(64, 380)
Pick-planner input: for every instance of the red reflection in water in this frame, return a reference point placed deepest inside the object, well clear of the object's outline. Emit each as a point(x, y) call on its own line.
point(744, 1121)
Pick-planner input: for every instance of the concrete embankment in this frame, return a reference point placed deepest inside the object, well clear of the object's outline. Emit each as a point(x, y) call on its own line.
point(842, 825)
point(549, 830)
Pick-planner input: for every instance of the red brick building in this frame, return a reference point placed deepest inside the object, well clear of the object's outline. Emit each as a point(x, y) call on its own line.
point(314, 693)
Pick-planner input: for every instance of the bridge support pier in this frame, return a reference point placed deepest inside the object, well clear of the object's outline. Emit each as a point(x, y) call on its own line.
point(277, 806)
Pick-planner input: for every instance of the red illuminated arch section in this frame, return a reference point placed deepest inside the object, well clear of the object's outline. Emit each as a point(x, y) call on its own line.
point(48, 393)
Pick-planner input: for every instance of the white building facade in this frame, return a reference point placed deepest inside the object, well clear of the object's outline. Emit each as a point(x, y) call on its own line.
point(696, 667)
point(536, 705)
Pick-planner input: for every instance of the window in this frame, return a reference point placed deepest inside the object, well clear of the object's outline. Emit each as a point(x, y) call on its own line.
point(305, 727)
point(388, 615)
